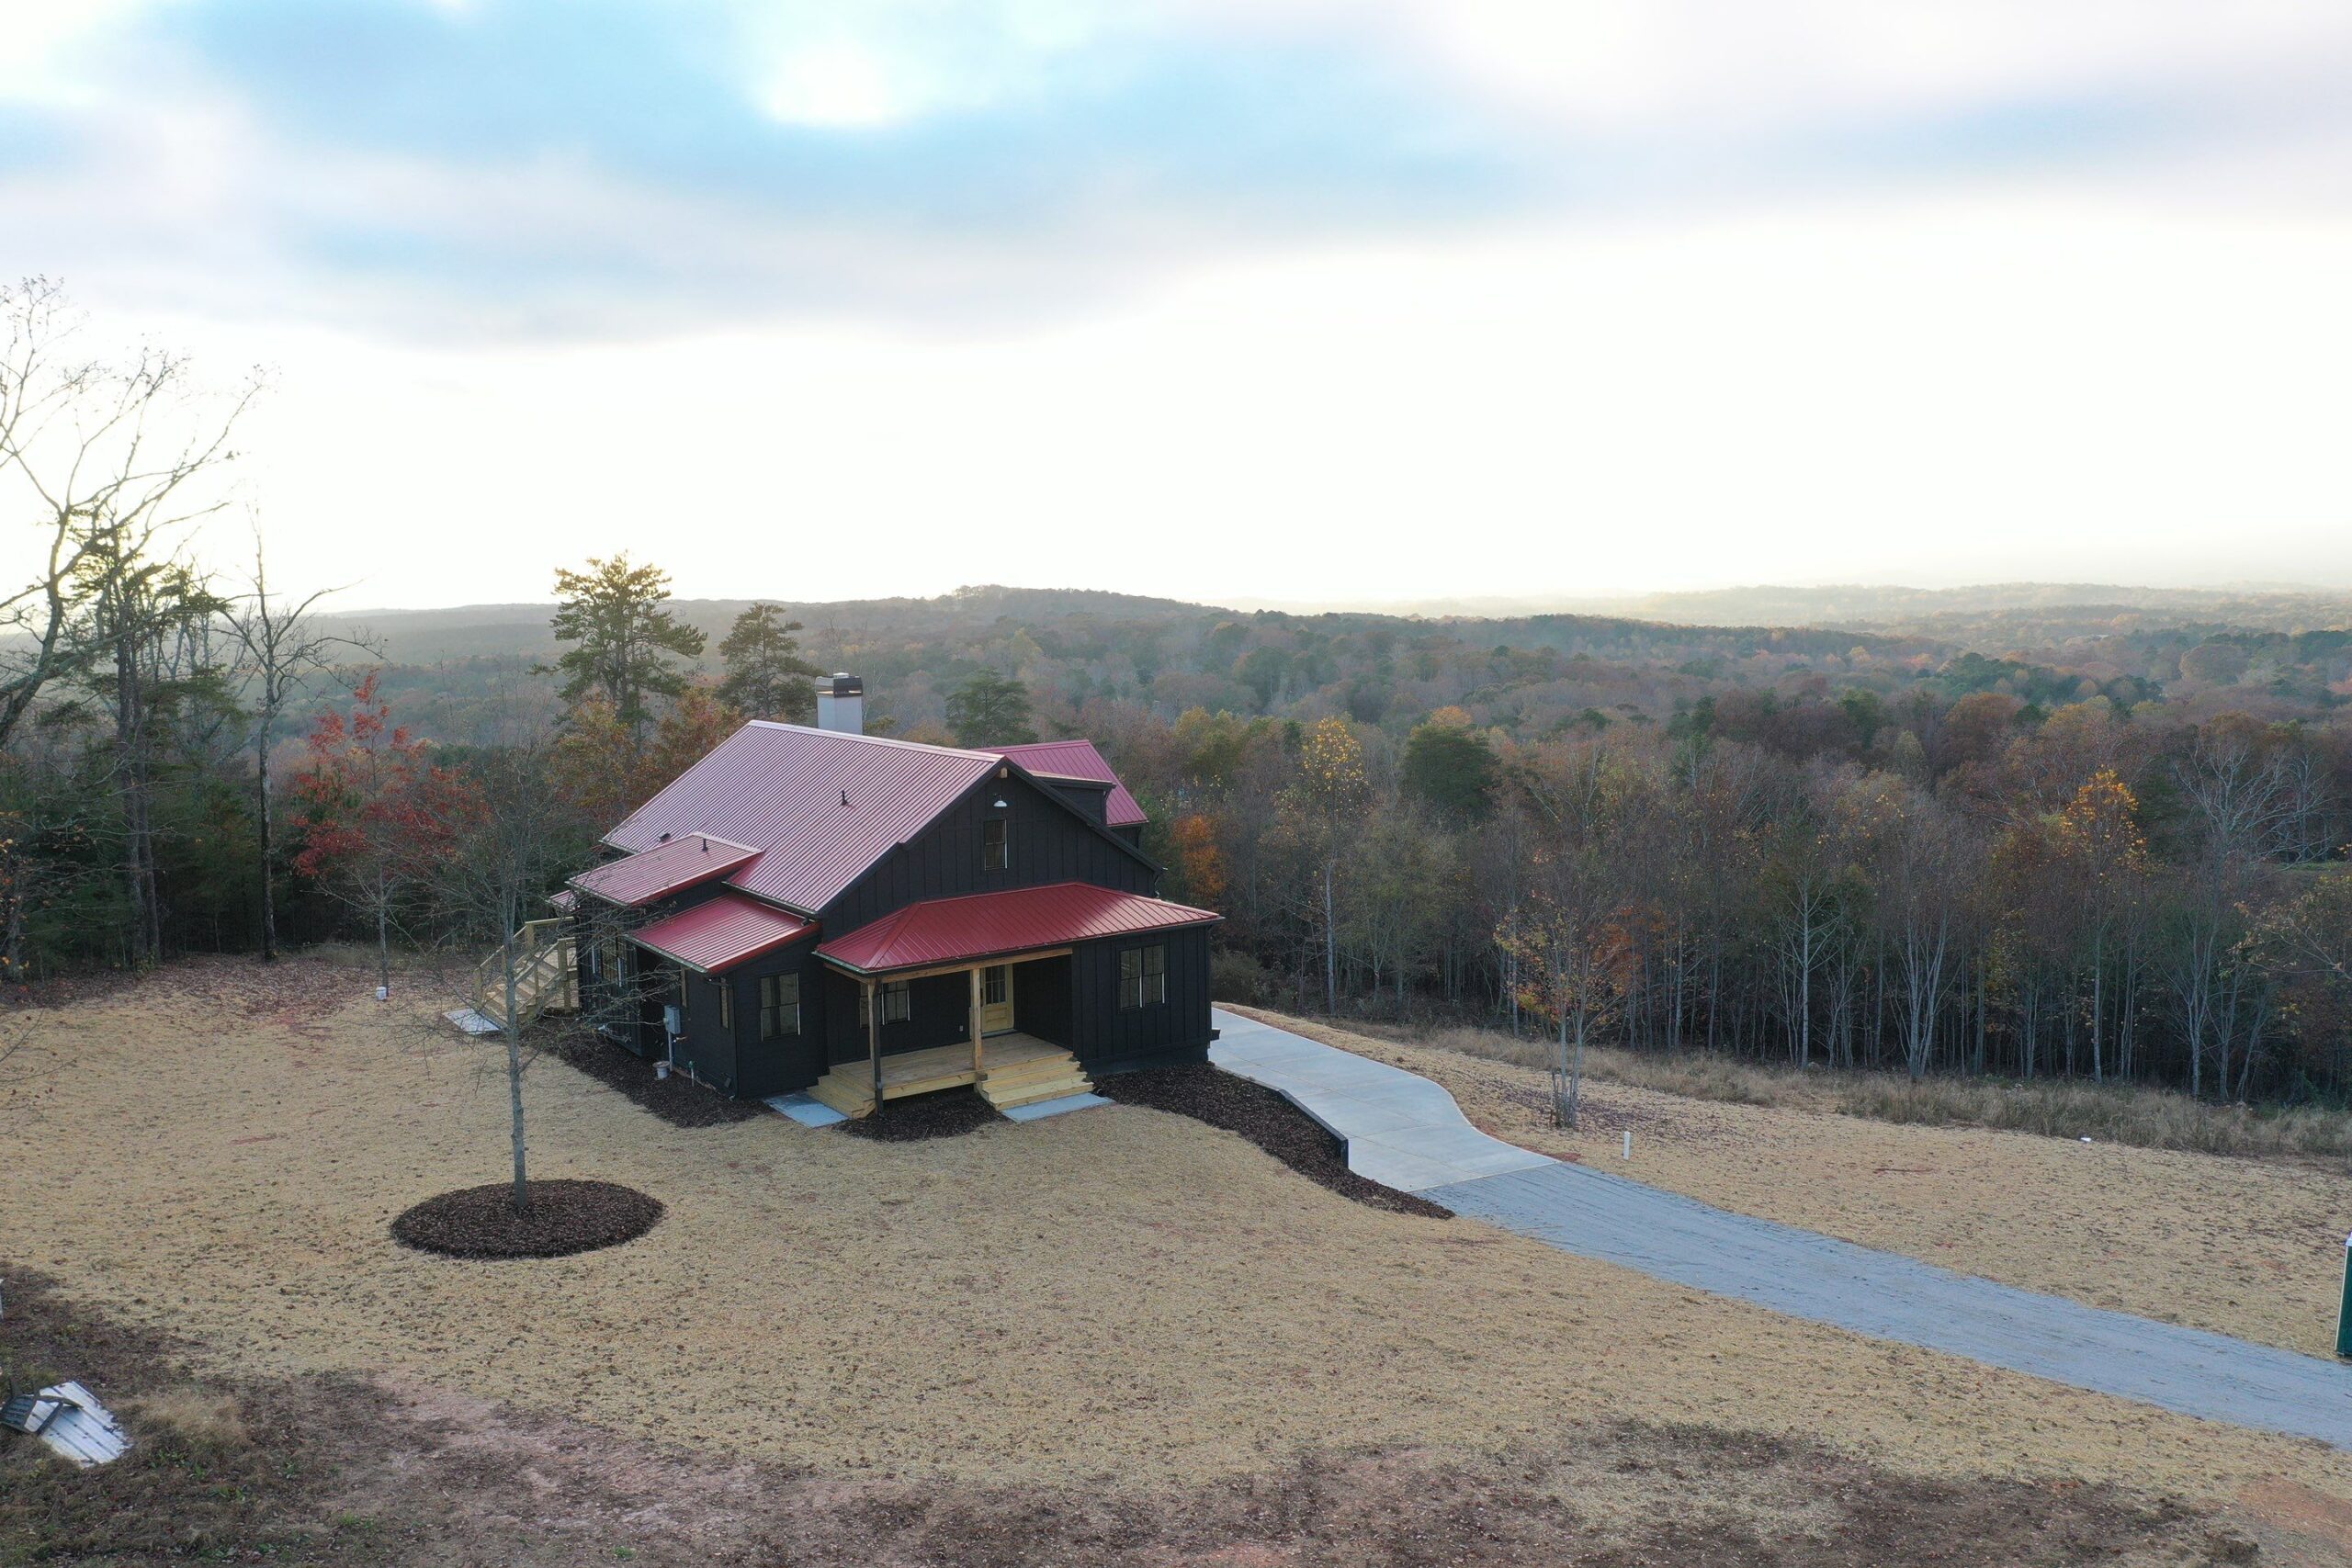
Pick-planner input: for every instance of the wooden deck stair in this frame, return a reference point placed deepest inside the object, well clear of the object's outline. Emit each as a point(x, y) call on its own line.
point(1018, 1069)
point(544, 981)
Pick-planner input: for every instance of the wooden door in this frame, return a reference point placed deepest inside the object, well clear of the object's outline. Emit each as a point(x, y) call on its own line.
point(996, 1000)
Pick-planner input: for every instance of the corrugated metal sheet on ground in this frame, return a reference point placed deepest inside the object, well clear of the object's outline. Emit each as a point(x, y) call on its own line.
point(722, 933)
point(70, 1420)
point(641, 878)
point(1081, 760)
point(823, 806)
point(983, 925)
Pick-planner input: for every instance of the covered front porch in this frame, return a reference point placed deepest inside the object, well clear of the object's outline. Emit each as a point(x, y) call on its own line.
point(1008, 1070)
point(1025, 983)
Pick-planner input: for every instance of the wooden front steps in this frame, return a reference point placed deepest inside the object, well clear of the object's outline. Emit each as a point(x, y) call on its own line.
point(1017, 1069)
point(1045, 1078)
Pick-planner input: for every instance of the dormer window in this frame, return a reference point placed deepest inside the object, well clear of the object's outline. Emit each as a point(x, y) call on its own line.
point(996, 848)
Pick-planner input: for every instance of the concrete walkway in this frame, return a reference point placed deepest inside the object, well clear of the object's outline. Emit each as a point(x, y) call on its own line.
point(1401, 1130)
point(1802, 1273)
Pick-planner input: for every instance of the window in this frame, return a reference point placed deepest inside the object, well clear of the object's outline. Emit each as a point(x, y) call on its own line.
point(726, 1006)
point(1143, 976)
point(895, 1000)
point(996, 984)
point(996, 852)
point(779, 1006)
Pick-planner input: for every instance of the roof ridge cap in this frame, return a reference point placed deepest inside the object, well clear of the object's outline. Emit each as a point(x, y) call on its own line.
point(975, 755)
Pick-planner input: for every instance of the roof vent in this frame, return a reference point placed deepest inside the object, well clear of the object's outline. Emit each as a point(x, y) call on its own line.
point(840, 703)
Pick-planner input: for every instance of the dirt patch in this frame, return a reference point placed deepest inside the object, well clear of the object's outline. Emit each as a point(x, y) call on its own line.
point(919, 1118)
point(327, 1470)
point(1222, 1099)
point(563, 1218)
point(678, 1100)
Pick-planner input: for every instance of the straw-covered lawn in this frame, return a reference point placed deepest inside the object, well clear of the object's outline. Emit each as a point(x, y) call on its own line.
point(2245, 1247)
point(1119, 1300)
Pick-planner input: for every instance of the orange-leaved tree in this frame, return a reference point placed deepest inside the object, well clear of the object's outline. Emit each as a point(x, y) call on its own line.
point(1200, 864)
point(1575, 953)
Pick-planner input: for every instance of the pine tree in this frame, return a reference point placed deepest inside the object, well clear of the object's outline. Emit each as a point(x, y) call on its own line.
point(624, 638)
point(766, 677)
point(991, 709)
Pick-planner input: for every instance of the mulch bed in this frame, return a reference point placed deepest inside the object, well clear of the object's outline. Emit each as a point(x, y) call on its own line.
point(947, 1114)
point(1218, 1097)
point(565, 1217)
point(678, 1100)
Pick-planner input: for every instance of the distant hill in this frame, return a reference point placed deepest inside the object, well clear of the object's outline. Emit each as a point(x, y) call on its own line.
point(2013, 604)
point(1989, 617)
point(1087, 656)
point(521, 631)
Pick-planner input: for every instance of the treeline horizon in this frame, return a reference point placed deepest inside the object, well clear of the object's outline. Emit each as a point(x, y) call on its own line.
point(2114, 853)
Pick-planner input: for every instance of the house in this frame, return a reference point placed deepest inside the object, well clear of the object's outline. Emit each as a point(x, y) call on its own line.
point(862, 918)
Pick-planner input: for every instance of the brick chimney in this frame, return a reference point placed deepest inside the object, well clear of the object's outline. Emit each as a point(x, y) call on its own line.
point(840, 703)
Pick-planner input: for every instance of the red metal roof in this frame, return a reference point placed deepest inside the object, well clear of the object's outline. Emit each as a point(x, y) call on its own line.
point(1079, 759)
point(721, 932)
point(821, 806)
point(664, 869)
point(988, 925)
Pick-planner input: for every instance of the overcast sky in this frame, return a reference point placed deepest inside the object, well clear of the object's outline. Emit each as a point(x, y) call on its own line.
point(1229, 299)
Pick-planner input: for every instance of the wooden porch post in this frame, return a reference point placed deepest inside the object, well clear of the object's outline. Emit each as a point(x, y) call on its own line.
point(976, 1024)
point(874, 1039)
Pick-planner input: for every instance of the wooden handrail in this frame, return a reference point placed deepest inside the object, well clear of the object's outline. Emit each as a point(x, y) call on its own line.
point(539, 947)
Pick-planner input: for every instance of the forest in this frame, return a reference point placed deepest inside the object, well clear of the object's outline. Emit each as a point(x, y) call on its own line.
point(2027, 837)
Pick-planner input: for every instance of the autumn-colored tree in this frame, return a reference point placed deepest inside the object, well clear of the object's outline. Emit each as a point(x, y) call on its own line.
point(2099, 835)
point(597, 766)
point(1326, 801)
point(1575, 960)
point(1199, 862)
point(692, 728)
point(603, 773)
point(375, 814)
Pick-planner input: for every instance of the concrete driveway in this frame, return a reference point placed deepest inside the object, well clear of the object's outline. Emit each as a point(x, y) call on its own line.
point(1405, 1131)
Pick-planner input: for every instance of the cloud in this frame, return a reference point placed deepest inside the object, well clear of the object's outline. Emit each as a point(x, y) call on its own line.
point(457, 168)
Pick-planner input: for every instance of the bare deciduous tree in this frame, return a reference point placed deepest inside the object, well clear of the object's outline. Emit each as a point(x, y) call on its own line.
point(513, 846)
point(107, 456)
point(283, 650)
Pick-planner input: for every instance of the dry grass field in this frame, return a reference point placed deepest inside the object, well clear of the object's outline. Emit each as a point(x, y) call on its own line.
point(2245, 1247)
point(1118, 1333)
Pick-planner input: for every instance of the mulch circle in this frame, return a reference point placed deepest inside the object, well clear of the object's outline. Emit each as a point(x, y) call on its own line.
point(947, 1114)
point(1223, 1099)
point(565, 1217)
